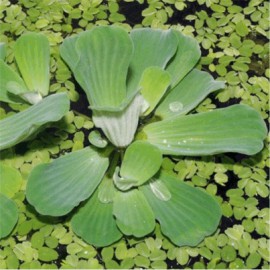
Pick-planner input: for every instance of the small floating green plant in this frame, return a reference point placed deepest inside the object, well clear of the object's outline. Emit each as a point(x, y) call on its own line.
point(142, 88)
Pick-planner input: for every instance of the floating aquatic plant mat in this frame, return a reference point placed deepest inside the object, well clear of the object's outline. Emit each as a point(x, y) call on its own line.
point(233, 37)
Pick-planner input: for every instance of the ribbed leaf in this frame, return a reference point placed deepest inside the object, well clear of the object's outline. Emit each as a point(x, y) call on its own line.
point(120, 127)
point(32, 54)
point(154, 84)
point(160, 190)
point(105, 54)
point(69, 52)
point(141, 161)
point(56, 188)
point(238, 128)
point(9, 215)
point(133, 214)
point(122, 183)
point(187, 55)
point(94, 222)
point(151, 48)
point(10, 181)
point(20, 126)
point(106, 190)
point(188, 94)
point(190, 214)
point(10, 82)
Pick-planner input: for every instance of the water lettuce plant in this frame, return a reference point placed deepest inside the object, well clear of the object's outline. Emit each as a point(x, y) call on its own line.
point(142, 88)
point(32, 55)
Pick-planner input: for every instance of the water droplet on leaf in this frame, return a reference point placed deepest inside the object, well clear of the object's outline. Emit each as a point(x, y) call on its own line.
point(175, 106)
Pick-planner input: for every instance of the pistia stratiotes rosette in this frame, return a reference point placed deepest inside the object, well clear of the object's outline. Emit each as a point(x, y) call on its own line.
point(32, 55)
point(143, 80)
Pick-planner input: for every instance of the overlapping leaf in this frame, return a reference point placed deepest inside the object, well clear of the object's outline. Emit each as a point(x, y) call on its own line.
point(190, 214)
point(187, 55)
point(153, 84)
point(224, 130)
point(20, 126)
point(141, 161)
point(188, 94)
point(10, 84)
point(94, 222)
point(120, 127)
point(133, 214)
point(69, 52)
point(56, 188)
point(151, 48)
point(32, 54)
point(104, 57)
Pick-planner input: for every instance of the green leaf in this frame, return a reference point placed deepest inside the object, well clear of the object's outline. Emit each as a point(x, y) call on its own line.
point(133, 214)
point(2, 51)
point(32, 54)
point(10, 180)
point(10, 82)
point(122, 183)
point(141, 161)
point(106, 190)
point(9, 215)
point(152, 48)
point(96, 139)
point(94, 222)
point(187, 55)
point(120, 127)
point(20, 126)
point(190, 214)
point(69, 53)
point(188, 94)
point(105, 54)
point(160, 190)
point(56, 188)
point(237, 128)
point(154, 84)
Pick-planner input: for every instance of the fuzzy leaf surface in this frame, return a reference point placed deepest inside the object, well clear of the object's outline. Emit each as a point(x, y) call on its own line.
point(190, 214)
point(105, 54)
point(152, 48)
point(238, 128)
point(69, 52)
point(154, 84)
point(20, 126)
point(133, 214)
point(94, 222)
point(188, 94)
point(141, 161)
point(56, 188)
point(32, 54)
point(10, 82)
point(187, 55)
